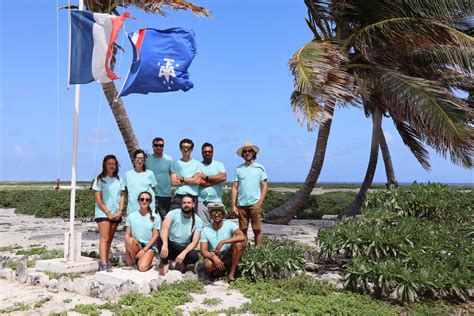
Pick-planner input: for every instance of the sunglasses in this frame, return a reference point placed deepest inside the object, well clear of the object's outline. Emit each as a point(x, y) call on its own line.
point(159, 145)
point(187, 147)
point(140, 158)
point(144, 200)
point(247, 151)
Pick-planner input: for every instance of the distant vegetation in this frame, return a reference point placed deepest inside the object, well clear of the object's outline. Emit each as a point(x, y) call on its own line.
point(50, 203)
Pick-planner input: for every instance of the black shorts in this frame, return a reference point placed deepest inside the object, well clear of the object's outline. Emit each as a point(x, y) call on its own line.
point(106, 219)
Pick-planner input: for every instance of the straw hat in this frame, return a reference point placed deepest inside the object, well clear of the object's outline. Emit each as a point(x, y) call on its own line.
point(247, 144)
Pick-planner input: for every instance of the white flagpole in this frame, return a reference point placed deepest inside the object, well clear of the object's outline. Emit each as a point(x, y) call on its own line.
point(72, 244)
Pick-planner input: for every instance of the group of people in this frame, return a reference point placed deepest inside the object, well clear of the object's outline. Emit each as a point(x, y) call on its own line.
point(173, 226)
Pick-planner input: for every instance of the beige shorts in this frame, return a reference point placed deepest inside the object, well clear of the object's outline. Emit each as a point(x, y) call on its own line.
point(250, 213)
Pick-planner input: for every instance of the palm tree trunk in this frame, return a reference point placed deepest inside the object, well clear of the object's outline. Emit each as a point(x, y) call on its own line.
point(387, 159)
point(285, 213)
point(354, 208)
point(121, 117)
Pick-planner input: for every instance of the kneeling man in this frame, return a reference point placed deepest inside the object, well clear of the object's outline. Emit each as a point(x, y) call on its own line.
point(221, 243)
point(180, 233)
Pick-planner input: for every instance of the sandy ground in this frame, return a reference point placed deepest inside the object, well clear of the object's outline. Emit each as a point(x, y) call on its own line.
point(24, 231)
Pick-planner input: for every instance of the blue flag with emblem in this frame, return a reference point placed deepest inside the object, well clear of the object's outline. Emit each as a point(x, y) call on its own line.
point(160, 61)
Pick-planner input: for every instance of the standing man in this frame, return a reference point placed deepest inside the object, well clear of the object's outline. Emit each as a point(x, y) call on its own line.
point(185, 174)
point(180, 234)
point(210, 188)
point(249, 191)
point(160, 164)
point(221, 244)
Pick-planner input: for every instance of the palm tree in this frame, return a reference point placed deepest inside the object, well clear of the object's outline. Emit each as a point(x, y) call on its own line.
point(404, 60)
point(110, 90)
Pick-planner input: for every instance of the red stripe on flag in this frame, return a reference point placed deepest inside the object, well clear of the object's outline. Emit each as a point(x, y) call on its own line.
point(117, 23)
point(141, 36)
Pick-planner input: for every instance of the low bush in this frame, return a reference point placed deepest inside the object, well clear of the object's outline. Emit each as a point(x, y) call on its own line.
point(407, 244)
point(272, 259)
point(50, 203)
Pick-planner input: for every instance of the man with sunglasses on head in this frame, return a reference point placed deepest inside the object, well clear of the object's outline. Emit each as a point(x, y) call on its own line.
point(185, 175)
point(160, 164)
point(210, 188)
point(249, 191)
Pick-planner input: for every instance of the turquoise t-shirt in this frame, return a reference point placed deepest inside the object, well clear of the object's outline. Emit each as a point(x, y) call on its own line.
point(187, 170)
point(142, 226)
point(136, 183)
point(180, 228)
point(249, 178)
point(214, 192)
point(213, 237)
point(161, 167)
point(111, 190)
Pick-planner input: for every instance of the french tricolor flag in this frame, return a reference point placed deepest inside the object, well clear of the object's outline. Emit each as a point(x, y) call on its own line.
point(92, 40)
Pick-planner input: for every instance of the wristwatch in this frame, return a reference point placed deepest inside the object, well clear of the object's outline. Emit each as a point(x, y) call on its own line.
point(181, 179)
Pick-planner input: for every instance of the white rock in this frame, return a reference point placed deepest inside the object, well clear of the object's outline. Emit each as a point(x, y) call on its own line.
point(8, 274)
point(128, 287)
point(156, 283)
point(189, 275)
point(173, 276)
point(53, 284)
point(81, 286)
point(65, 284)
point(44, 280)
point(21, 272)
point(144, 288)
point(108, 292)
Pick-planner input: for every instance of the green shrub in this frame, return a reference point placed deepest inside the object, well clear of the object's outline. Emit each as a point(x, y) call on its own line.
point(272, 259)
point(407, 244)
point(50, 203)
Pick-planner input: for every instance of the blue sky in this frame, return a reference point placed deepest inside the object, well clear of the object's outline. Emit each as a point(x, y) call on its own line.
point(241, 92)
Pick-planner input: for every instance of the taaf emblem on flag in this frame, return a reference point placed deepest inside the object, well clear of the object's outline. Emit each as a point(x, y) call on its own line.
point(160, 61)
point(92, 41)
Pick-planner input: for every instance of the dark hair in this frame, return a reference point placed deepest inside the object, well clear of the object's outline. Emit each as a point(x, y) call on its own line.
point(136, 153)
point(206, 145)
point(186, 140)
point(192, 211)
point(157, 139)
point(103, 173)
point(254, 154)
point(149, 208)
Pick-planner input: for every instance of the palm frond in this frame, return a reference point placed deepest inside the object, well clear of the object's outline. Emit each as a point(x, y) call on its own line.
point(414, 142)
point(159, 6)
point(307, 110)
point(446, 11)
point(318, 70)
point(443, 57)
point(320, 79)
point(406, 34)
point(433, 112)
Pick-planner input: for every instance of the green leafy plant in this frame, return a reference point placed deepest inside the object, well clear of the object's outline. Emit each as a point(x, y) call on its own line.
point(271, 259)
point(412, 241)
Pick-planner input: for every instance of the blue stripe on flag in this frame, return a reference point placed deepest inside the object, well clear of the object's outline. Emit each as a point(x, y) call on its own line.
point(81, 47)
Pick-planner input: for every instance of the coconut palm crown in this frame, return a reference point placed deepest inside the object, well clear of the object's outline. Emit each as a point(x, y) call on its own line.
point(406, 57)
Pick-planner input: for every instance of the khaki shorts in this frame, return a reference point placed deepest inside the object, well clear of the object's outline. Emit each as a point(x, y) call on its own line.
point(250, 213)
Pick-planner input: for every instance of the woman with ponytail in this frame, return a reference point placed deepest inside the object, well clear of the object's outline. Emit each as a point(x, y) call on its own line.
point(109, 201)
point(141, 234)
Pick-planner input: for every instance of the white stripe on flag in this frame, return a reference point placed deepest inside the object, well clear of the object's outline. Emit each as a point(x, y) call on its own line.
point(101, 34)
